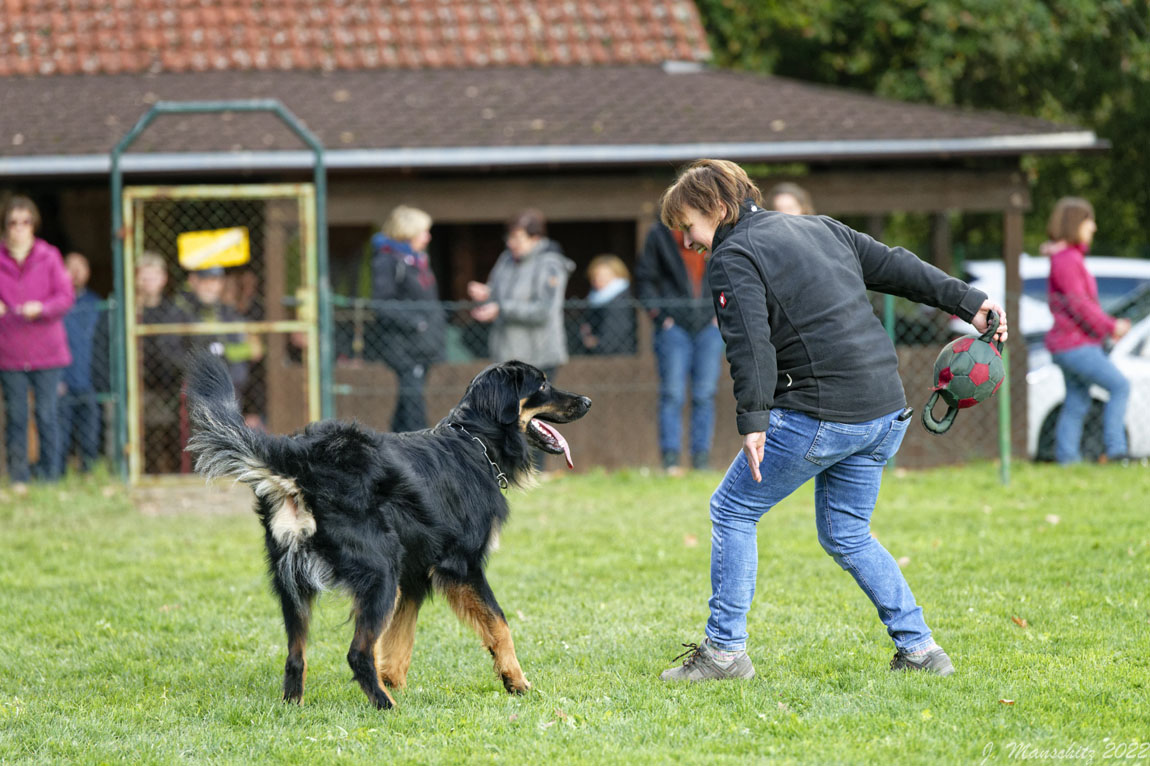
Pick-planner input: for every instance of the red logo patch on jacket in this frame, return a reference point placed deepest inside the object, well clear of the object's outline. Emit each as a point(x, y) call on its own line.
point(722, 300)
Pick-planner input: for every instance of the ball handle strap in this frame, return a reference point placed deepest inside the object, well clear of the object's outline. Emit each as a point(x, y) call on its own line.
point(939, 426)
point(992, 322)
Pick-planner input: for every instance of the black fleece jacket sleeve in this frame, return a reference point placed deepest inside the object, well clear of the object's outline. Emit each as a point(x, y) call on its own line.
point(739, 293)
point(897, 271)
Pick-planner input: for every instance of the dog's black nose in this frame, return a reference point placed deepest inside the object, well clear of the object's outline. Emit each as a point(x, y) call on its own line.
point(585, 402)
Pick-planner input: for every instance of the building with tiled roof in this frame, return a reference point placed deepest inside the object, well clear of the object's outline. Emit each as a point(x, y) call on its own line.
point(470, 109)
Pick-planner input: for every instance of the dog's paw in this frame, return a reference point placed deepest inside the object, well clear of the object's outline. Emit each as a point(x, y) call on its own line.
point(518, 685)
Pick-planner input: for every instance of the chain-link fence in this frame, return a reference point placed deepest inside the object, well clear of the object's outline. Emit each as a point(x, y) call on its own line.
point(228, 271)
point(389, 379)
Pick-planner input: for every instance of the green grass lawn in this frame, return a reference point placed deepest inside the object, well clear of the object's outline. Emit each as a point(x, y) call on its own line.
point(154, 639)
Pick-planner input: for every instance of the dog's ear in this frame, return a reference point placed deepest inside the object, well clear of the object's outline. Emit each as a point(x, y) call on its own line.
point(509, 394)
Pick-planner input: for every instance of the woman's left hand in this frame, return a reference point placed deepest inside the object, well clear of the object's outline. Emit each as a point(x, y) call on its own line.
point(32, 309)
point(753, 445)
point(981, 324)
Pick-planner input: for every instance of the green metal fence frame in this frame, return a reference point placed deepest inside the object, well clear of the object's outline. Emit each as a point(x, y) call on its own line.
point(323, 286)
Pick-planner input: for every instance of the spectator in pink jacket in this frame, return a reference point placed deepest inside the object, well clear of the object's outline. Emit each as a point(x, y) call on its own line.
point(35, 294)
point(1080, 327)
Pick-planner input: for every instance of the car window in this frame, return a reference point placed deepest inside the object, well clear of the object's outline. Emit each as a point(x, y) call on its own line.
point(1035, 288)
point(1111, 290)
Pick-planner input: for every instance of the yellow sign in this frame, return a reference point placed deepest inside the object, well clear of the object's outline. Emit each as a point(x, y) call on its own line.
point(218, 247)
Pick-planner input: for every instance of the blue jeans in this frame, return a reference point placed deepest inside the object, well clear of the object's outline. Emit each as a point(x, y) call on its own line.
point(1081, 368)
point(43, 384)
point(846, 461)
point(79, 422)
point(681, 358)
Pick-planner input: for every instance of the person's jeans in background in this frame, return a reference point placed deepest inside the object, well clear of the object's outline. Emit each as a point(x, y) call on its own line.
point(1081, 368)
point(43, 384)
point(846, 461)
point(410, 408)
point(80, 425)
point(682, 358)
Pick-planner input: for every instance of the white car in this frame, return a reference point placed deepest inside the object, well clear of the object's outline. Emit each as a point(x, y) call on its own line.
point(1046, 389)
point(1116, 277)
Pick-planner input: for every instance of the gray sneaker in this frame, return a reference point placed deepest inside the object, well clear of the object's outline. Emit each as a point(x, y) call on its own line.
point(935, 661)
point(700, 665)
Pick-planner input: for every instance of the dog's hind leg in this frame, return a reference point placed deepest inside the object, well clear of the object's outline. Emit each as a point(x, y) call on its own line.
point(474, 604)
point(374, 606)
point(393, 651)
point(297, 617)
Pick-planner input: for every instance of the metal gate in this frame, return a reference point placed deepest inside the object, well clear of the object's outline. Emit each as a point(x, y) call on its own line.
point(227, 269)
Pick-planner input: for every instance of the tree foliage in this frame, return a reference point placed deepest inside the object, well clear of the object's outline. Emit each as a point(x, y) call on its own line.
point(1084, 63)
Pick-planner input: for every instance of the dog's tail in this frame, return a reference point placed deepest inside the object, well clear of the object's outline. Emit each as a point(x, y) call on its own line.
point(221, 441)
point(225, 446)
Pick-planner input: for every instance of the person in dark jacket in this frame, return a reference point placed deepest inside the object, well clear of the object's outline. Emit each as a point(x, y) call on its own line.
point(671, 283)
point(78, 411)
point(413, 328)
point(608, 325)
point(817, 392)
point(160, 363)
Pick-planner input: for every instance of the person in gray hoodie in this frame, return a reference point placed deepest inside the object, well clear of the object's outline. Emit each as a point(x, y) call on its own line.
point(523, 297)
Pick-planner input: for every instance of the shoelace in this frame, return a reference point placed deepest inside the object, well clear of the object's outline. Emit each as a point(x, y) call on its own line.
point(694, 650)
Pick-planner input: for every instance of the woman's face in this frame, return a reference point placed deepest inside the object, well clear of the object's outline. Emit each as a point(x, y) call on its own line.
point(420, 241)
point(699, 229)
point(18, 228)
point(787, 203)
point(519, 242)
point(1086, 231)
point(600, 277)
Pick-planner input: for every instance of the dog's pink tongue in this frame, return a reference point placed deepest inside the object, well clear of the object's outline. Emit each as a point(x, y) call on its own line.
point(558, 437)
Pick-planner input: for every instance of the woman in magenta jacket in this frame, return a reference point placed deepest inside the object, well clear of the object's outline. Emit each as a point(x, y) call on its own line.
point(35, 294)
point(1080, 327)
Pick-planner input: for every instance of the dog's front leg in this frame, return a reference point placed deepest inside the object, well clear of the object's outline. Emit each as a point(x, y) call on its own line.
point(474, 604)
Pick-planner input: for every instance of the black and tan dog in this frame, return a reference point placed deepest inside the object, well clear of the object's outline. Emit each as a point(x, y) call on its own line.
point(390, 518)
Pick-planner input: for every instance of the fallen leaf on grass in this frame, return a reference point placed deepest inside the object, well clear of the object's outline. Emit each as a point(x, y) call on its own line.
point(1053, 518)
point(690, 541)
point(513, 717)
point(1020, 622)
point(108, 491)
point(1006, 702)
point(904, 561)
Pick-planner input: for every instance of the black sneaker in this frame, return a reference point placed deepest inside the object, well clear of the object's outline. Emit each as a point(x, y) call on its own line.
point(701, 461)
point(935, 661)
point(700, 665)
point(670, 460)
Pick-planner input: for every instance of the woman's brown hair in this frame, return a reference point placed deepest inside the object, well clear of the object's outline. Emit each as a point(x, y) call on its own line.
point(20, 202)
point(711, 187)
point(1066, 219)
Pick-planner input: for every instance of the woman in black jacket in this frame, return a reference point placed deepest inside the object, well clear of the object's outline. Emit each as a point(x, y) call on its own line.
point(818, 396)
point(413, 327)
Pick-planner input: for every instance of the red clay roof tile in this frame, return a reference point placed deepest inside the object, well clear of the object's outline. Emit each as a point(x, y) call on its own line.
point(431, 33)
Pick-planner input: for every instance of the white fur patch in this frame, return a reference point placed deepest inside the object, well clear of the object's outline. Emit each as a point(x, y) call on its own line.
point(291, 522)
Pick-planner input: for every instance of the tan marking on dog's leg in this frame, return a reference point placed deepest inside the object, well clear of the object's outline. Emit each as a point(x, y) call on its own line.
point(493, 632)
point(393, 650)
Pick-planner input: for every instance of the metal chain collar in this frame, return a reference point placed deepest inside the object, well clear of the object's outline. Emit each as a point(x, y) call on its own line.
point(500, 477)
